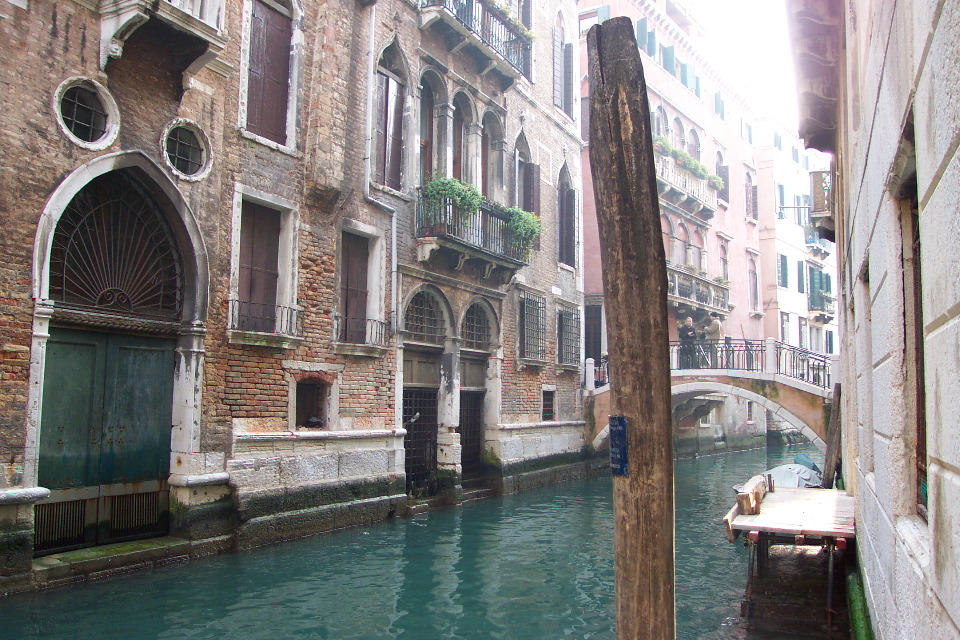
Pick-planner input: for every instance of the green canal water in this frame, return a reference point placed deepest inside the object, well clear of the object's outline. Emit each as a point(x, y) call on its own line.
point(536, 565)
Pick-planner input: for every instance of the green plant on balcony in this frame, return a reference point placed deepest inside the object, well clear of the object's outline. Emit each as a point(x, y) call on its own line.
point(722, 281)
point(525, 228)
point(438, 191)
point(662, 146)
point(715, 182)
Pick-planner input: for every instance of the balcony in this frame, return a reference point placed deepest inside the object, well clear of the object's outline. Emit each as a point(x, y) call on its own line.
point(483, 238)
point(682, 188)
point(360, 336)
point(496, 41)
point(264, 325)
point(191, 28)
point(816, 245)
point(821, 213)
point(688, 291)
point(822, 306)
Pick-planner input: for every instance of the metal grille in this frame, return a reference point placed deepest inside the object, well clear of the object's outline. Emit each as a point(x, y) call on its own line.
point(113, 250)
point(137, 515)
point(568, 336)
point(423, 319)
point(533, 326)
point(471, 433)
point(58, 526)
point(476, 328)
point(184, 150)
point(420, 441)
point(548, 412)
point(83, 113)
point(265, 318)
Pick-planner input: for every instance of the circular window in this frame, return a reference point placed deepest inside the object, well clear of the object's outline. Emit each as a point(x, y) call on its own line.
point(185, 149)
point(83, 113)
point(87, 113)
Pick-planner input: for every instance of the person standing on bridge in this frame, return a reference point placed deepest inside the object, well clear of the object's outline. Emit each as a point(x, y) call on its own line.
point(688, 338)
point(713, 333)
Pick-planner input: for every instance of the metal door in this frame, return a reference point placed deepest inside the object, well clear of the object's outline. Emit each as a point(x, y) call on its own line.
point(104, 439)
point(471, 433)
point(420, 441)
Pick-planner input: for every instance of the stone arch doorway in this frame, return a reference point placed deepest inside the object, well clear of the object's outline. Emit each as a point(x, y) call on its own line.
point(476, 339)
point(117, 338)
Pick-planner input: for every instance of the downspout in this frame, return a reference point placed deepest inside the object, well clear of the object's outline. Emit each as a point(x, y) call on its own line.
point(367, 165)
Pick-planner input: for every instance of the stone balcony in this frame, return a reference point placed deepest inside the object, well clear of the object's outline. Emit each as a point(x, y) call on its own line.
point(193, 28)
point(689, 292)
point(482, 30)
point(682, 188)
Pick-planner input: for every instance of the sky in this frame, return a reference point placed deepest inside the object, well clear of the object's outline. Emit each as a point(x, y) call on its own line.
point(752, 46)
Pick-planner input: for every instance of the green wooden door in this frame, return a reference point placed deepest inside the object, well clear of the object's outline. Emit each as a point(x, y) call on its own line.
point(104, 437)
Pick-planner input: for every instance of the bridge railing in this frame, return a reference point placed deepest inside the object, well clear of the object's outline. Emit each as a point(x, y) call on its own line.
point(767, 356)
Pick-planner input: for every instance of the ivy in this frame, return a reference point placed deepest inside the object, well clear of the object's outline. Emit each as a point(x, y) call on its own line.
point(525, 228)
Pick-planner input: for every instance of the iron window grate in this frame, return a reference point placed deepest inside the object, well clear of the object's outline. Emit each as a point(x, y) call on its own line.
point(568, 336)
point(184, 151)
point(83, 113)
point(423, 319)
point(548, 413)
point(533, 326)
point(476, 328)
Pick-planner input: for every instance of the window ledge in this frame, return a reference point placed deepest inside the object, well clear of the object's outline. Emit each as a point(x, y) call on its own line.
point(357, 349)
point(751, 220)
point(382, 188)
point(531, 362)
point(561, 367)
point(258, 339)
point(276, 146)
point(756, 314)
point(562, 266)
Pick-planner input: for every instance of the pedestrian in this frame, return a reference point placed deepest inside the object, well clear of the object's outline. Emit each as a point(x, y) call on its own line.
point(713, 333)
point(688, 337)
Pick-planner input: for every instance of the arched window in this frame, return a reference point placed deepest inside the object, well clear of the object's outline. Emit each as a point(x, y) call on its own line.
point(680, 245)
point(461, 116)
point(661, 123)
point(753, 285)
point(491, 157)
point(476, 328)
point(677, 138)
point(723, 171)
point(750, 197)
point(697, 254)
point(388, 119)
point(567, 219)
point(724, 264)
point(693, 147)
point(423, 319)
point(563, 74)
point(427, 119)
point(114, 251)
point(667, 230)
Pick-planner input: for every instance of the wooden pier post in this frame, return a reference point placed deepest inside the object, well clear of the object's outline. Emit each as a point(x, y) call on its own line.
point(635, 298)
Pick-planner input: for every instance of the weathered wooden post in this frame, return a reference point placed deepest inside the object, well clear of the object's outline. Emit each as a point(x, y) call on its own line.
point(635, 296)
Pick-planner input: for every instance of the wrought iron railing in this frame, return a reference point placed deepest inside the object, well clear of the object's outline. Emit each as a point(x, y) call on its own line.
point(681, 178)
point(799, 363)
point(697, 288)
point(501, 35)
point(208, 11)
point(361, 331)
point(739, 355)
point(265, 318)
point(487, 229)
point(822, 302)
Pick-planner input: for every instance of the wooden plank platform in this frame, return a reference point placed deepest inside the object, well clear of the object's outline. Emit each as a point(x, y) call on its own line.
point(826, 513)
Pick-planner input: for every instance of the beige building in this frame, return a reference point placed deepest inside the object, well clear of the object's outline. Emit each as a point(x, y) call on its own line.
point(877, 92)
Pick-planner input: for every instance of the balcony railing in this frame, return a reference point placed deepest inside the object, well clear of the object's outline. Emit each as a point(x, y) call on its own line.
point(822, 303)
point(796, 362)
point(207, 11)
point(696, 289)
point(487, 229)
point(265, 318)
point(489, 26)
point(696, 189)
point(375, 333)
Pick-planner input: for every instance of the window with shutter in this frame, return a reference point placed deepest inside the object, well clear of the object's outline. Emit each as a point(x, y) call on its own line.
point(259, 270)
point(388, 120)
point(533, 189)
point(568, 79)
point(754, 203)
point(268, 77)
point(642, 33)
point(724, 173)
point(427, 106)
point(652, 43)
point(668, 60)
point(355, 256)
point(801, 267)
point(558, 65)
point(458, 140)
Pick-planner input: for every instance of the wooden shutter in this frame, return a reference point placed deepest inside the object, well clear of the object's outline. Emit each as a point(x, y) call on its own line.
point(783, 276)
point(724, 172)
point(485, 163)
point(568, 79)
point(533, 176)
point(568, 228)
point(753, 202)
point(259, 271)
point(800, 269)
point(353, 288)
point(641, 32)
point(558, 67)
point(395, 131)
point(652, 43)
point(827, 284)
point(668, 60)
point(526, 13)
point(268, 83)
point(380, 129)
point(457, 144)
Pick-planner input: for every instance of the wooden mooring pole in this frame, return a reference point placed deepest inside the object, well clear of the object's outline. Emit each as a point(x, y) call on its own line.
point(635, 299)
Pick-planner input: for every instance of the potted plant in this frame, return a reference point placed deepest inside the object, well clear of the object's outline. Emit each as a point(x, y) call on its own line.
point(438, 192)
point(715, 182)
point(525, 228)
point(661, 145)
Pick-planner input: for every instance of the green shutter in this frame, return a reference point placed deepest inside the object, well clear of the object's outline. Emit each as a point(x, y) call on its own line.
point(669, 61)
point(827, 286)
point(642, 33)
point(696, 88)
point(603, 14)
point(783, 277)
point(800, 278)
point(684, 74)
point(652, 43)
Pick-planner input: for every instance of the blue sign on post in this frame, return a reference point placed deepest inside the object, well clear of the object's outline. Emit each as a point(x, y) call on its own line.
point(618, 446)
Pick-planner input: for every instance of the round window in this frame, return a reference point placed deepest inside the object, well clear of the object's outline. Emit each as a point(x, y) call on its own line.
point(83, 113)
point(185, 151)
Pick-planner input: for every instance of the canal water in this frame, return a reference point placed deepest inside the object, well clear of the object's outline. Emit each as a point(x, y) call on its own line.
point(536, 565)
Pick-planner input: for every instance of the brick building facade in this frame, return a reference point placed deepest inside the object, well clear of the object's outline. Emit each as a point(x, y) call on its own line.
point(213, 221)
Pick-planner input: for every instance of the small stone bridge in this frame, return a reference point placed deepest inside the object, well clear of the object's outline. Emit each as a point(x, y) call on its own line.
point(794, 384)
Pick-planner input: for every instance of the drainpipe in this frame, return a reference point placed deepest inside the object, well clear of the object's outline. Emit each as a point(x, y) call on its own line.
point(367, 164)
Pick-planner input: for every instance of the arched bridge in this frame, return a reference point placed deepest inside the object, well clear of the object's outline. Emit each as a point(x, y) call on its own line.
point(794, 384)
